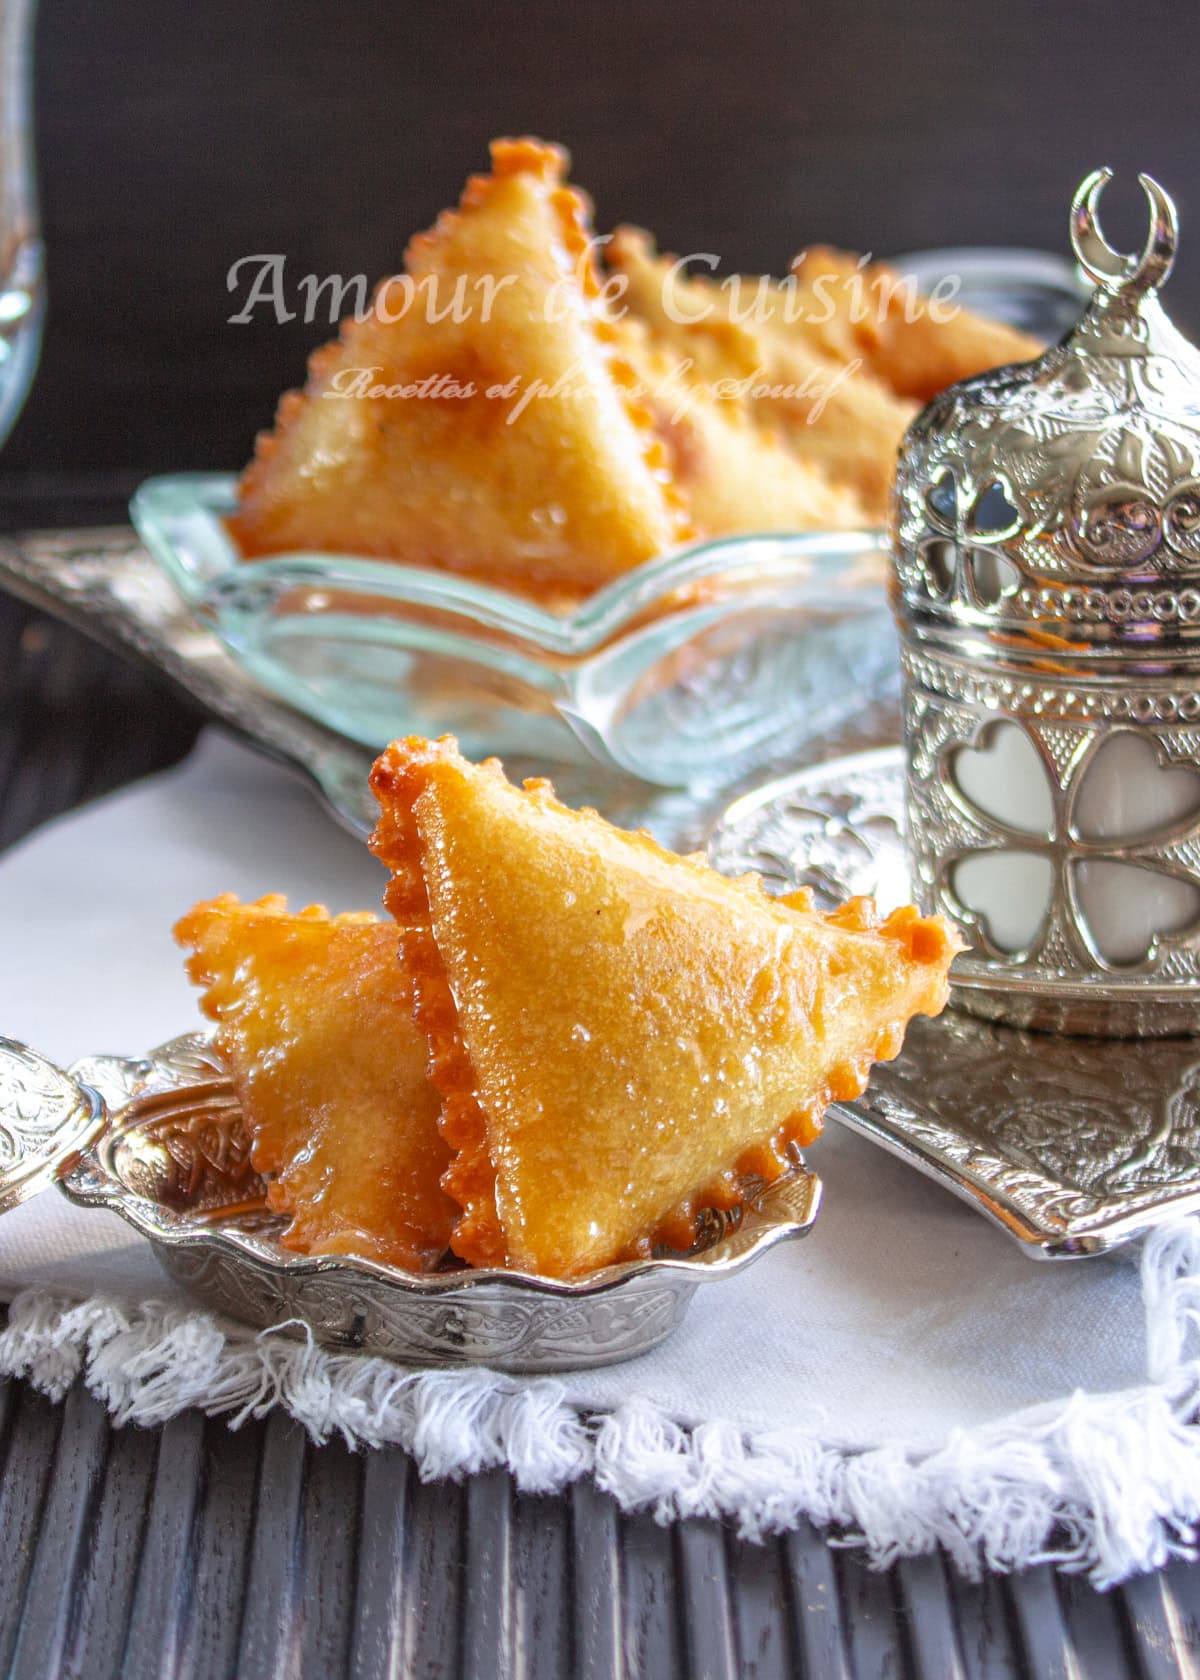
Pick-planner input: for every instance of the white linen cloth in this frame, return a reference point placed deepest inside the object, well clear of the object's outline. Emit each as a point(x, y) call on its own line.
point(905, 1372)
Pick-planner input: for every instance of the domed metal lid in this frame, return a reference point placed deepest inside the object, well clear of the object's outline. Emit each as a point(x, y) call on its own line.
point(1057, 501)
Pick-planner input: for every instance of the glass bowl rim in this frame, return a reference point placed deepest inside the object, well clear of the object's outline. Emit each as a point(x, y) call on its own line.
point(161, 501)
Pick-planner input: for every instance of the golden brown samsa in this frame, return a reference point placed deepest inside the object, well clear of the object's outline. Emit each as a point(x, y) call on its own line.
point(314, 1017)
point(620, 1034)
point(504, 444)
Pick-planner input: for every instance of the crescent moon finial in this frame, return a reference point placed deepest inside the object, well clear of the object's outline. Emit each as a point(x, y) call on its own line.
point(1112, 270)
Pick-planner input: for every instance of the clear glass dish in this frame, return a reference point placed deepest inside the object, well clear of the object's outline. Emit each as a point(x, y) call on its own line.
point(693, 669)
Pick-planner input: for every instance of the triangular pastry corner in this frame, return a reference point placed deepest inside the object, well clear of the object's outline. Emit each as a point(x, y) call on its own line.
point(620, 1035)
point(497, 435)
point(314, 1021)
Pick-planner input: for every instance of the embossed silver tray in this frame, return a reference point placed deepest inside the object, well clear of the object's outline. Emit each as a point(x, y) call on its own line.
point(159, 1140)
point(1072, 1145)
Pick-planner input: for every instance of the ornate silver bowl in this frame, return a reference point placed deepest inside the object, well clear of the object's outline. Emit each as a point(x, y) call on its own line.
point(160, 1141)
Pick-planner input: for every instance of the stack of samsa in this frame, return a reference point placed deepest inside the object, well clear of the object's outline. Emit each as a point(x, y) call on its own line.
point(507, 411)
point(565, 1044)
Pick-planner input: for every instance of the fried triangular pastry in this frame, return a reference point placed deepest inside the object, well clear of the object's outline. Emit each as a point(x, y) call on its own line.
point(620, 1035)
point(836, 416)
point(917, 345)
point(736, 473)
point(509, 447)
point(845, 308)
point(314, 1018)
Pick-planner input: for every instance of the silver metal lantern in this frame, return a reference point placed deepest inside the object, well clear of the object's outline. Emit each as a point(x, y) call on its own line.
point(1046, 537)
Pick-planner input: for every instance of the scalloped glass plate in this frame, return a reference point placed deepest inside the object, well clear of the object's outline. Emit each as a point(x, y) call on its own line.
point(692, 669)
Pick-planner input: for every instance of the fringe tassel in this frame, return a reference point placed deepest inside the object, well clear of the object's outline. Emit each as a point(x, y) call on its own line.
point(1103, 1483)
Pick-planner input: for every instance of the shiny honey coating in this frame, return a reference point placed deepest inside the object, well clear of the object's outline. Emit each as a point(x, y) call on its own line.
point(498, 414)
point(838, 419)
point(833, 362)
point(315, 1022)
point(524, 463)
point(620, 1034)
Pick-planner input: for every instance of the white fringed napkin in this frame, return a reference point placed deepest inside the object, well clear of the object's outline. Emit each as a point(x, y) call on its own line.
point(904, 1374)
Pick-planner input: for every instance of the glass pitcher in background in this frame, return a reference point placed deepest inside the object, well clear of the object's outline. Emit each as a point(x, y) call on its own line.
point(22, 295)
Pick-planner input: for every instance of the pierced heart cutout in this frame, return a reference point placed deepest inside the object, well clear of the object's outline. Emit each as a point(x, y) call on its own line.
point(1120, 796)
point(990, 576)
point(960, 563)
point(979, 576)
point(1008, 892)
point(992, 516)
point(941, 499)
point(1126, 793)
point(1003, 776)
point(1124, 906)
point(941, 565)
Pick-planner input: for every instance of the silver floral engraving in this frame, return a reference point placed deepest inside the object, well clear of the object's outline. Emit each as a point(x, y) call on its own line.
point(1080, 471)
point(45, 1118)
point(174, 1163)
point(1046, 546)
point(1072, 1145)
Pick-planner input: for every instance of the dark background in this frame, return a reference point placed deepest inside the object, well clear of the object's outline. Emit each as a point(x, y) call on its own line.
point(173, 139)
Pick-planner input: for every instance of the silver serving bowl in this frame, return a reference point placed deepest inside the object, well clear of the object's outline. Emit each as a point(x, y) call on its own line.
point(160, 1141)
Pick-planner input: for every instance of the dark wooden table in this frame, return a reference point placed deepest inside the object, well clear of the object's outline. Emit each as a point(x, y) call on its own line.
point(201, 1551)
